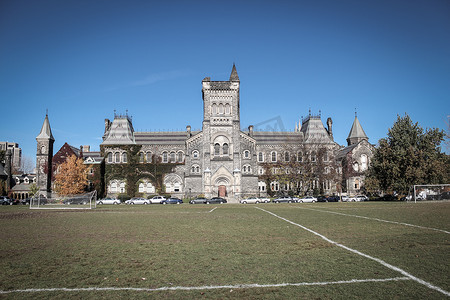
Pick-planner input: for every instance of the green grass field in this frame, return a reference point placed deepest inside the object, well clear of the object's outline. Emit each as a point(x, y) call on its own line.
point(233, 251)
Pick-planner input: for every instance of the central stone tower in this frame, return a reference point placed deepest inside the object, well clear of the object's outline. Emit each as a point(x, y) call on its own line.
point(221, 136)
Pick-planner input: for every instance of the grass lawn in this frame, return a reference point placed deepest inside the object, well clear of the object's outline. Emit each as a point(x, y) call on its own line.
point(158, 246)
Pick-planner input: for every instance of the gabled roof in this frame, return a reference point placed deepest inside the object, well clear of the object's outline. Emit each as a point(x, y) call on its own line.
point(46, 131)
point(234, 75)
point(356, 133)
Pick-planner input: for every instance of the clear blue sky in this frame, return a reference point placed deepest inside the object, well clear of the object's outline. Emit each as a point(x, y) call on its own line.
point(82, 60)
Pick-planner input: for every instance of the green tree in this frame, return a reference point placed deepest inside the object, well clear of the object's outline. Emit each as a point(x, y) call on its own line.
point(409, 155)
point(33, 189)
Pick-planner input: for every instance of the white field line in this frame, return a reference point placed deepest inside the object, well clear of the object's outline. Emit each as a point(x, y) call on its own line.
point(207, 287)
point(376, 219)
point(403, 272)
point(212, 210)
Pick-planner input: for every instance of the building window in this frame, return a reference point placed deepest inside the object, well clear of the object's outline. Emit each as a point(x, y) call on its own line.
point(299, 156)
point(172, 157)
point(149, 157)
point(124, 157)
point(286, 156)
point(246, 154)
point(164, 157)
point(227, 109)
point(274, 156)
point(180, 157)
point(225, 149)
point(220, 109)
point(325, 156)
point(195, 154)
point(356, 184)
point(214, 109)
point(110, 157)
point(355, 166)
point(313, 157)
point(216, 149)
point(363, 162)
point(260, 157)
point(141, 157)
point(117, 157)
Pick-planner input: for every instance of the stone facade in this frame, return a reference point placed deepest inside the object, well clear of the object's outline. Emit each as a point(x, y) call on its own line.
point(223, 160)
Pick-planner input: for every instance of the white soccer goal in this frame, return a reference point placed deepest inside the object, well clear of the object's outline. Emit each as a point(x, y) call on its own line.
point(80, 201)
point(430, 192)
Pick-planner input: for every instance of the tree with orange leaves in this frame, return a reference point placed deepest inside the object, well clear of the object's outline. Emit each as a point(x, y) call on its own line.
point(71, 177)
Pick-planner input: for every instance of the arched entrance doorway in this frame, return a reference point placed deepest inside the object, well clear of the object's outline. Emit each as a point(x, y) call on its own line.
point(222, 191)
point(222, 185)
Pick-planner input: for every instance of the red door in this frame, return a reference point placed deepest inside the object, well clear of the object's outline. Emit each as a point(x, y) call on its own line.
point(222, 191)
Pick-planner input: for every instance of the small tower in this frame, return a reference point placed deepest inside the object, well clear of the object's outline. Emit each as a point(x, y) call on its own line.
point(8, 169)
point(44, 157)
point(357, 133)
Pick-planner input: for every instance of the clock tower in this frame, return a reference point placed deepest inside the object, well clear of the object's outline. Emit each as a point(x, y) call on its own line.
point(44, 157)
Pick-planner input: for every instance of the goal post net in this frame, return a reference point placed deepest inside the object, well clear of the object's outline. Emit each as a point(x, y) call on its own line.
point(79, 201)
point(430, 192)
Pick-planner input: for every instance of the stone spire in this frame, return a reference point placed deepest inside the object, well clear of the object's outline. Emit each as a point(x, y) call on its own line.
point(234, 75)
point(46, 131)
point(357, 133)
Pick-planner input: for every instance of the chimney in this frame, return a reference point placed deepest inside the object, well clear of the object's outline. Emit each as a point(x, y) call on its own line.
point(330, 127)
point(86, 148)
point(250, 130)
point(188, 131)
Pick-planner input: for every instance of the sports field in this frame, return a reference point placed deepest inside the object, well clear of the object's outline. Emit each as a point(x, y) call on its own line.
point(368, 250)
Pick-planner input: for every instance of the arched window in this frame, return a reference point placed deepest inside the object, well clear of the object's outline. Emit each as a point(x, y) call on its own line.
point(286, 156)
point(165, 157)
point(313, 156)
point(363, 162)
point(220, 109)
point(195, 154)
point(117, 157)
point(274, 156)
point(197, 169)
point(227, 109)
point(355, 166)
point(180, 157)
point(246, 154)
point(110, 157)
point(141, 157)
point(149, 157)
point(325, 156)
point(225, 149)
point(124, 157)
point(214, 109)
point(216, 149)
point(299, 156)
point(260, 157)
point(172, 157)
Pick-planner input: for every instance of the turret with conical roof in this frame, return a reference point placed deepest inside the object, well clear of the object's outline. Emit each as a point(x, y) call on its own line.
point(357, 133)
point(234, 75)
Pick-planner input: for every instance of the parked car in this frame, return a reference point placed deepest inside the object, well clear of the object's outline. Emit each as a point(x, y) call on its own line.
point(216, 200)
point(25, 201)
point(198, 200)
point(75, 200)
point(359, 198)
point(137, 200)
point(108, 200)
point(283, 199)
point(333, 199)
point(265, 200)
point(5, 200)
point(345, 199)
point(322, 199)
point(157, 199)
point(253, 200)
point(172, 200)
point(308, 199)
